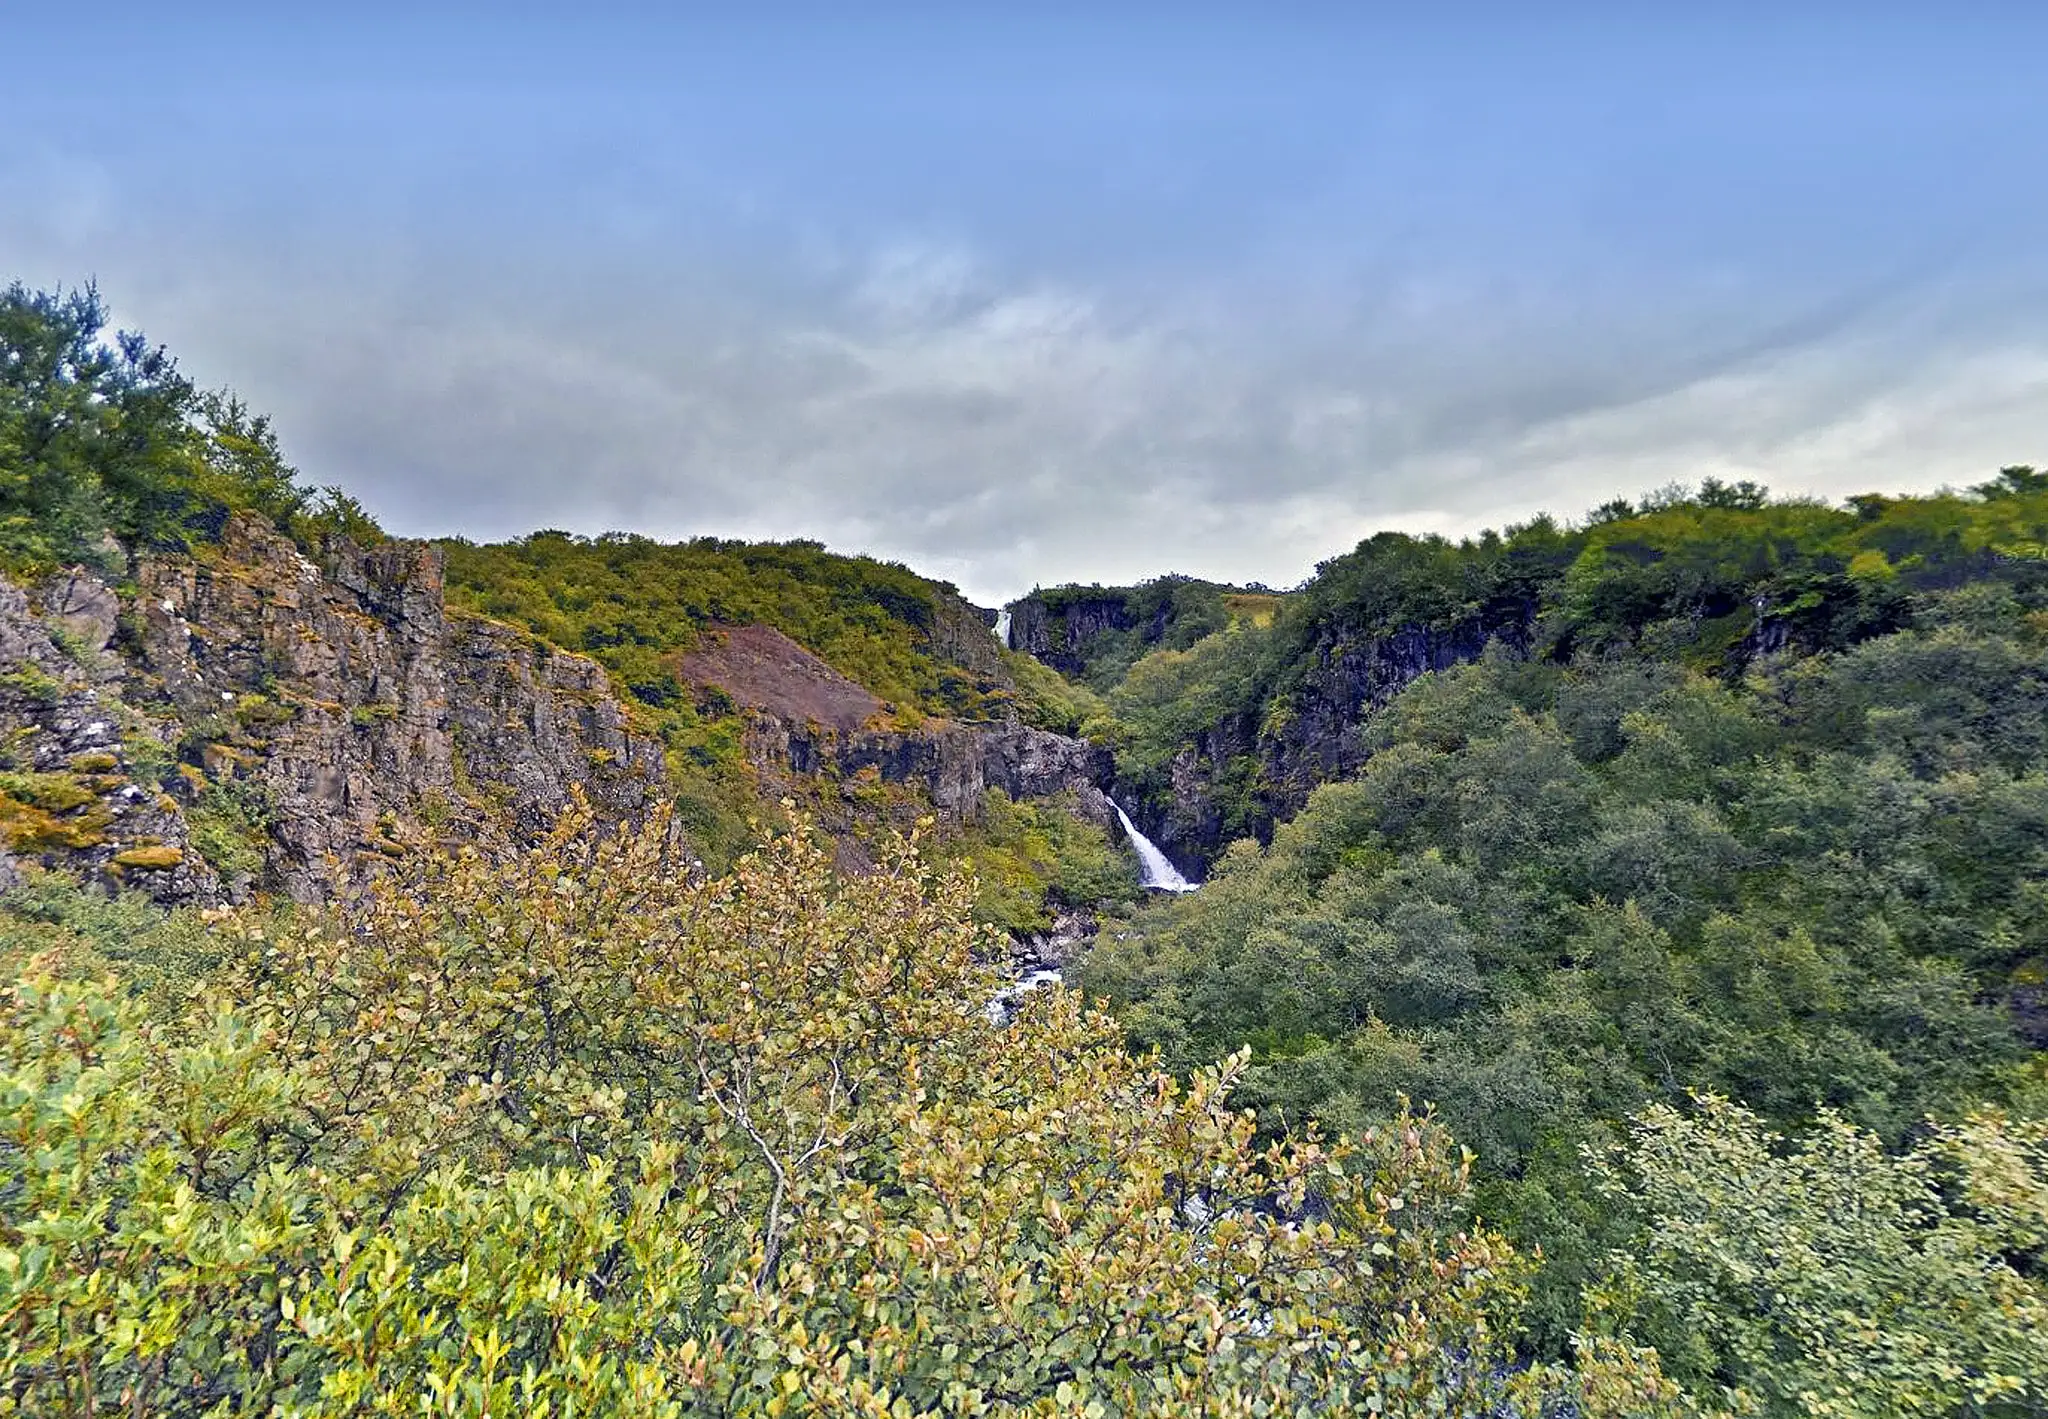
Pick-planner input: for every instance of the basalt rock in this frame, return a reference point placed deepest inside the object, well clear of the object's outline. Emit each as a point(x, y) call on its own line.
point(79, 762)
point(954, 765)
point(1061, 638)
point(1073, 931)
point(314, 720)
point(1320, 738)
point(1241, 775)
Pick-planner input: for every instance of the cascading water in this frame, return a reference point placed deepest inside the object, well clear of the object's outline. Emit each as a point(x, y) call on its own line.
point(1003, 628)
point(1154, 870)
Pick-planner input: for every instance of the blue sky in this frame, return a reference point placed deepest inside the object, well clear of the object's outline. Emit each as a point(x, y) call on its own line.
point(1032, 294)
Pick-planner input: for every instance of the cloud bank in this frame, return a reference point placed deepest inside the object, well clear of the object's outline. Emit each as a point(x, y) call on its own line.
point(1224, 322)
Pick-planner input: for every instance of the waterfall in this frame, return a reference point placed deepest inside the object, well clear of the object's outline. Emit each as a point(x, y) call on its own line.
point(1154, 869)
point(1003, 628)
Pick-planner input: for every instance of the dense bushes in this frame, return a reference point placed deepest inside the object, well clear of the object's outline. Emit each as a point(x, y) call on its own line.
point(1709, 578)
point(579, 1135)
point(1822, 1276)
point(1556, 895)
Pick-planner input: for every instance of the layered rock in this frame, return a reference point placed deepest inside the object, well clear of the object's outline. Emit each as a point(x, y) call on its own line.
point(312, 721)
point(1316, 737)
point(72, 751)
point(954, 765)
point(248, 718)
point(1350, 675)
point(1062, 638)
point(806, 720)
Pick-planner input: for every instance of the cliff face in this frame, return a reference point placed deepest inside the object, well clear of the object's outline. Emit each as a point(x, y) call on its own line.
point(953, 764)
point(1247, 772)
point(1061, 638)
point(1350, 675)
point(807, 721)
point(252, 718)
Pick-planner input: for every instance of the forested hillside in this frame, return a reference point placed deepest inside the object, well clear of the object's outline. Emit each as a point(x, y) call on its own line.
point(1619, 987)
point(1727, 797)
point(635, 603)
point(217, 682)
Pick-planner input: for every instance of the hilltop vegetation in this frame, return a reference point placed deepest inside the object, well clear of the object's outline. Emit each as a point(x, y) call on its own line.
point(635, 603)
point(1686, 865)
point(104, 444)
point(1708, 579)
point(1738, 799)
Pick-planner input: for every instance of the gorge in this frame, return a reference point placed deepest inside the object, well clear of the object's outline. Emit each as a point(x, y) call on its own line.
point(1619, 955)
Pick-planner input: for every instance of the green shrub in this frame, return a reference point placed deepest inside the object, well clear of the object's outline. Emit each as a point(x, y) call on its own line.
point(580, 1132)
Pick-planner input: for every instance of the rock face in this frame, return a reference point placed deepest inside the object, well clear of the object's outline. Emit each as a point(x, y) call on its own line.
point(276, 721)
point(69, 746)
point(247, 718)
point(807, 720)
point(954, 764)
point(1317, 738)
point(1061, 638)
point(1073, 932)
point(1350, 677)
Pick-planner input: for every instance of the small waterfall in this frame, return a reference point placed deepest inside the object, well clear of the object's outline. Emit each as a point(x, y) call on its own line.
point(1154, 869)
point(1003, 628)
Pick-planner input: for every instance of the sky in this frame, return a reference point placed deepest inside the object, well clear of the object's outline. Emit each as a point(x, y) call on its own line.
point(1028, 294)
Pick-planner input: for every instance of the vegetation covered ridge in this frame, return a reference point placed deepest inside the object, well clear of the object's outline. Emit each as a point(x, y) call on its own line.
point(1728, 798)
point(1259, 709)
point(637, 605)
point(1686, 863)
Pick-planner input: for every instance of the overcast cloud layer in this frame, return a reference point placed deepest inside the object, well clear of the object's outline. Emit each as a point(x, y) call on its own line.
point(1067, 299)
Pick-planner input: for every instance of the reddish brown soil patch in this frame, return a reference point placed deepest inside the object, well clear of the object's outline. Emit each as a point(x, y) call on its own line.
point(764, 669)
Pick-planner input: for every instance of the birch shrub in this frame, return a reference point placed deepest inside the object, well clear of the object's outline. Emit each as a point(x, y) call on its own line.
point(576, 1134)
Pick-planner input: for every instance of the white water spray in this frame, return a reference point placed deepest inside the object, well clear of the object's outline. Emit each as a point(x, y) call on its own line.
point(1003, 628)
point(1154, 870)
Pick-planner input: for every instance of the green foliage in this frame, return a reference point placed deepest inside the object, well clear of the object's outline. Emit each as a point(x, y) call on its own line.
point(1031, 857)
point(1048, 700)
point(1827, 1277)
point(230, 827)
point(1553, 896)
point(577, 1133)
point(634, 603)
point(105, 439)
point(333, 513)
point(1099, 632)
point(39, 811)
point(1712, 579)
point(1171, 696)
point(161, 955)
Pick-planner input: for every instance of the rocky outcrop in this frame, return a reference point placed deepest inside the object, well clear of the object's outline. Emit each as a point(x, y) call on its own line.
point(1244, 774)
point(265, 720)
point(1348, 677)
point(1061, 636)
point(1064, 944)
point(953, 765)
point(251, 718)
point(962, 634)
point(77, 764)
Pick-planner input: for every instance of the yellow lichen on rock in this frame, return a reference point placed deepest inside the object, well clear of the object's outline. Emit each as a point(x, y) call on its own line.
point(159, 858)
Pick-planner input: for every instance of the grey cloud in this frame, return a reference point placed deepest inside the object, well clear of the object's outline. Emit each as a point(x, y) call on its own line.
point(1000, 431)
